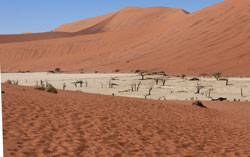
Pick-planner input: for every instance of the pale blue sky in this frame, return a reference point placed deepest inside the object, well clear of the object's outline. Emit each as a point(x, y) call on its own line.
point(17, 16)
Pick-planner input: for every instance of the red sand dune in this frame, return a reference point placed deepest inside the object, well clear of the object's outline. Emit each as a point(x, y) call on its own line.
point(214, 39)
point(37, 123)
point(128, 17)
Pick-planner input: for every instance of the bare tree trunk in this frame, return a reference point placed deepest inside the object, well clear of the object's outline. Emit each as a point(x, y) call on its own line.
point(86, 83)
point(138, 86)
point(142, 76)
point(64, 86)
point(163, 82)
point(226, 82)
point(149, 91)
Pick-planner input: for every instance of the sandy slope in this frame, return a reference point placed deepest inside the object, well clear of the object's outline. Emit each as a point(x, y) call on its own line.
point(77, 124)
point(214, 39)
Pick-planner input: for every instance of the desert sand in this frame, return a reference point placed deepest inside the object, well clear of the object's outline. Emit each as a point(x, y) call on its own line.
point(37, 123)
point(89, 121)
point(214, 39)
point(175, 88)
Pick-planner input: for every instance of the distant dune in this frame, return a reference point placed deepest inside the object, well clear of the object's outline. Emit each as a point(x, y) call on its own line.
point(26, 32)
point(37, 123)
point(128, 17)
point(214, 39)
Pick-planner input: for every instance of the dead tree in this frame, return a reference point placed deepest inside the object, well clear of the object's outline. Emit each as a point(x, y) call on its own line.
point(64, 86)
point(198, 88)
point(133, 87)
point(164, 98)
point(15, 82)
point(80, 82)
point(241, 92)
point(75, 83)
point(138, 86)
point(86, 83)
point(111, 85)
point(156, 81)
point(226, 81)
point(142, 75)
point(209, 93)
point(46, 83)
point(149, 90)
point(163, 81)
point(41, 82)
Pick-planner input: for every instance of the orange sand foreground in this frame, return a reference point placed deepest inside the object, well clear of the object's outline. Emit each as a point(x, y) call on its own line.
point(70, 123)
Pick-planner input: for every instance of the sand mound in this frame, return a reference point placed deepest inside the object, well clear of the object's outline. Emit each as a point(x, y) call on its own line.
point(76, 124)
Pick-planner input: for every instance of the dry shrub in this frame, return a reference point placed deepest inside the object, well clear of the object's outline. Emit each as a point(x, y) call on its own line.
point(37, 87)
point(199, 103)
point(51, 89)
point(9, 82)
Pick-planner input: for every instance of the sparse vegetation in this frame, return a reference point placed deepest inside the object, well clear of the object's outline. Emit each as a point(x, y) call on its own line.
point(57, 70)
point(198, 88)
point(183, 76)
point(81, 71)
point(9, 82)
point(217, 75)
point(117, 70)
point(203, 75)
point(51, 89)
point(12, 82)
point(199, 103)
point(137, 71)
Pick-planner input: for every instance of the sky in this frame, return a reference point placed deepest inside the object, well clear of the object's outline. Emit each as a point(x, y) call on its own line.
point(18, 16)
